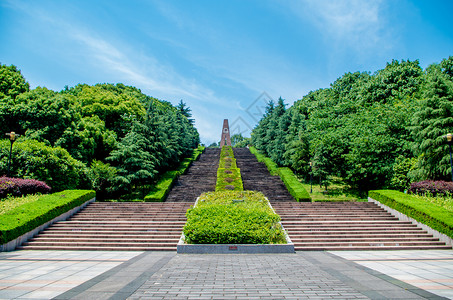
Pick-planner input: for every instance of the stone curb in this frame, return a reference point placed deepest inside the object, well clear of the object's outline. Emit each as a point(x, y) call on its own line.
point(11, 245)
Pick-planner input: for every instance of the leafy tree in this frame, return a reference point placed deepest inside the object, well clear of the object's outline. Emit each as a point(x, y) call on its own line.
point(12, 83)
point(433, 121)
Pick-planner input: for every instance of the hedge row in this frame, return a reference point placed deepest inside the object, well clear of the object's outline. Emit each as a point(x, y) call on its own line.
point(292, 183)
point(27, 217)
point(431, 187)
point(435, 217)
point(21, 187)
point(232, 217)
point(295, 188)
point(163, 186)
point(228, 174)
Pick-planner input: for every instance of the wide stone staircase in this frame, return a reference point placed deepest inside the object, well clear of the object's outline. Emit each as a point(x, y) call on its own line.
point(200, 177)
point(350, 226)
point(256, 177)
point(131, 226)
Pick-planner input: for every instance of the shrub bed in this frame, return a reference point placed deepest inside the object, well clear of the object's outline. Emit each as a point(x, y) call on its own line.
point(22, 219)
point(231, 217)
point(21, 187)
point(415, 207)
point(430, 187)
point(292, 183)
point(228, 174)
point(165, 182)
point(294, 186)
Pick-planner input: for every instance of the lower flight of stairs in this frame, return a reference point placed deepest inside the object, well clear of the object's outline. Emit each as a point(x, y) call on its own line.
point(128, 226)
point(350, 226)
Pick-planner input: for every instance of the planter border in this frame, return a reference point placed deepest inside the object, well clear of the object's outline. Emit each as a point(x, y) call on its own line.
point(183, 248)
point(442, 237)
point(11, 245)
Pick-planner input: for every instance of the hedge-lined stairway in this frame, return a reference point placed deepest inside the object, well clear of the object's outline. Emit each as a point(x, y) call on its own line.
point(200, 177)
point(350, 226)
point(116, 226)
point(256, 177)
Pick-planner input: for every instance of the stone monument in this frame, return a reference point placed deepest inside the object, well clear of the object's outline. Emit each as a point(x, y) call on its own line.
point(225, 139)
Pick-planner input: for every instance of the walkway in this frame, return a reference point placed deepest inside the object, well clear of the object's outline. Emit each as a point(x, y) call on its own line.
point(167, 275)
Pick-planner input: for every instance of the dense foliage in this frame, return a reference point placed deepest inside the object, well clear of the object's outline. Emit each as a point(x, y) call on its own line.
point(233, 218)
point(118, 138)
point(21, 187)
point(228, 174)
point(373, 130)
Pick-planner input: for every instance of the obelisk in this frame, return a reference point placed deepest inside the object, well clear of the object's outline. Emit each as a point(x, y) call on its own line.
point(225, 139)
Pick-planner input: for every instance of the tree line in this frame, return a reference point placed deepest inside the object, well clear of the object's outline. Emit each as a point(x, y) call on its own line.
point(114, 137)
point(380, 130)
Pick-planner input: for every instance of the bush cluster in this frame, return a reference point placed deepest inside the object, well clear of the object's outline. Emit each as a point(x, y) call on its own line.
point(21, 187)
point(233, 218)
point(27, 217)
point(430, 187)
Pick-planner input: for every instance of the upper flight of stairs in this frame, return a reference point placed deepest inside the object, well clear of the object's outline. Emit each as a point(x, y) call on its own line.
point(350, 226)
point(256, 177)
point(200, 177)
point(130, 226)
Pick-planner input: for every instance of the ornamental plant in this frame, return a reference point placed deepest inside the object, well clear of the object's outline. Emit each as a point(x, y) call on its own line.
point(231, 217)
point(21, 187)
point(434, 188)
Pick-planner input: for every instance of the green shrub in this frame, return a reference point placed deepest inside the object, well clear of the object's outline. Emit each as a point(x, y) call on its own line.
point(415, 207)
point(292, 183)
point(35, 160)
point(24, 218)
point(233, 218)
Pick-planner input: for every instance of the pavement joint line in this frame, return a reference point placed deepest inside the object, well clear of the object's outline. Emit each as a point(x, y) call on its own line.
point(87, 284)
point(387, 278)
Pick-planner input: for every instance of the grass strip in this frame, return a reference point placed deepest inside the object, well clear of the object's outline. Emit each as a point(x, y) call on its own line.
point(26, 217)
point(233, 217)
point(228, 174)
point(418, 208)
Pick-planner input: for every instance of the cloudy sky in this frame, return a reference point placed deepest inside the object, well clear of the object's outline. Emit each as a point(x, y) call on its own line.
point(225, 59)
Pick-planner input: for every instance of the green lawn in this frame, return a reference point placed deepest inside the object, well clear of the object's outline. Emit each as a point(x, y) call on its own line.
point(336, 191)
point(11, 202)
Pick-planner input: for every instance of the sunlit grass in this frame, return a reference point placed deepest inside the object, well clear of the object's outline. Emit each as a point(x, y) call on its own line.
point(445, 202)
point(11, 202)
point(336, 191)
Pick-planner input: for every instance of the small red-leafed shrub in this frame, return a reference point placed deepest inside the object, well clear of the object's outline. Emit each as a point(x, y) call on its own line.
point(435, 188)
point(20, 187)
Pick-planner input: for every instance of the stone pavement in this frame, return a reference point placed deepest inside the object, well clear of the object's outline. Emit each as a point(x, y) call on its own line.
point(167, 275)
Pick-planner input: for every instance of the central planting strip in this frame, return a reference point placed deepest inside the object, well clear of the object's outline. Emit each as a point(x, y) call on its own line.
point(231, 220)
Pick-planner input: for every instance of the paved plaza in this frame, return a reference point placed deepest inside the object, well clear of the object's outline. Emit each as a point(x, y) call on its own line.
point(167, 275)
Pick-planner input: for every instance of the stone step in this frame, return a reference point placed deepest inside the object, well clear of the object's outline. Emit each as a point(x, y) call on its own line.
point(110, 239)
point(100, 248)
point(370, 248)
point(369, 239)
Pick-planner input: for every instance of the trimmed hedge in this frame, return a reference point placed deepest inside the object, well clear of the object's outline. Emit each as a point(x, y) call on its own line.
point(233, 218)
point(292, 183)
point(435, 217)
point(228, 174)
point(21, 187)
point(27, 217)
point(163, 186)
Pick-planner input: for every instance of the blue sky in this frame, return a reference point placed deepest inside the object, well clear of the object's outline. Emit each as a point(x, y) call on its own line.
point(225, 59)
